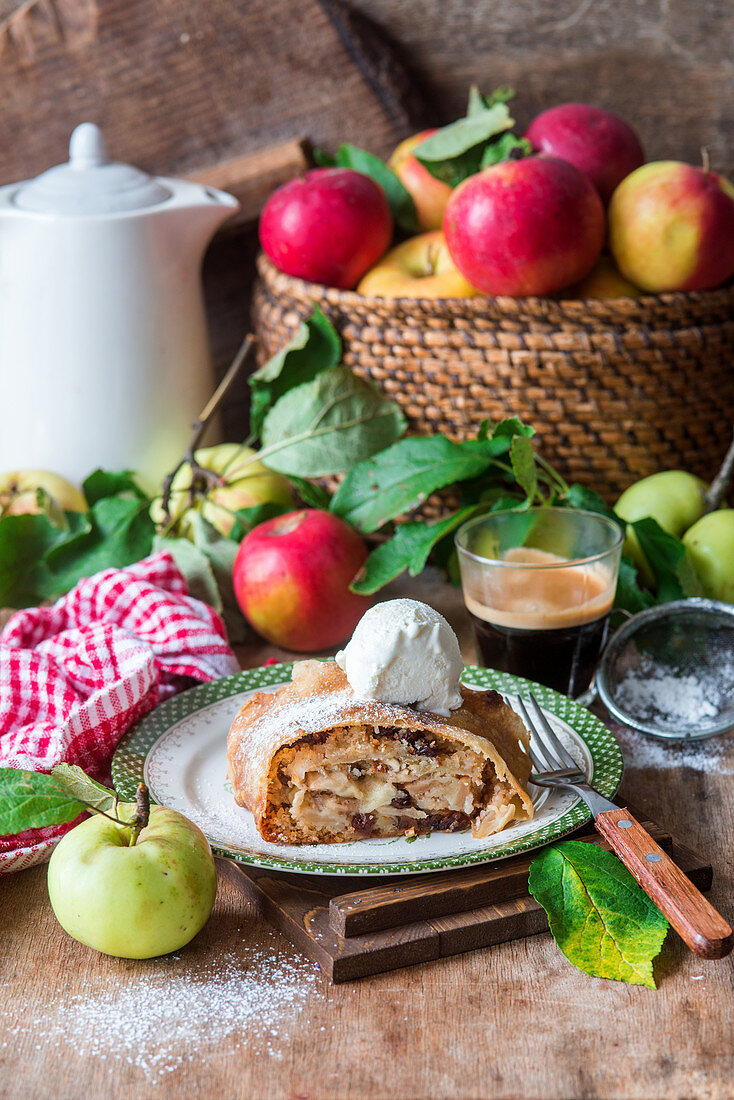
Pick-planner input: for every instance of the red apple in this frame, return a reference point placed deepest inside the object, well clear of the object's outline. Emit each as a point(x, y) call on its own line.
point(291, 579)
point(428, 194)
point(328, 226)
point(671, 227)
point(601, 144)
point(524, 227)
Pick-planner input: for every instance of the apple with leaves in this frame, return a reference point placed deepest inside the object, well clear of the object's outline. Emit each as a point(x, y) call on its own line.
point(137, 882)
point(229, 477)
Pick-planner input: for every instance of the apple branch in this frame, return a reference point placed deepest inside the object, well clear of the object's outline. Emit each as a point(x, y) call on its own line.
point(718, 488)
point(201, 478)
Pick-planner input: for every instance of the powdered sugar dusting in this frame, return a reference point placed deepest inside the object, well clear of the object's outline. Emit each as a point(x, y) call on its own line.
point(168, 1014)
point(714, 755)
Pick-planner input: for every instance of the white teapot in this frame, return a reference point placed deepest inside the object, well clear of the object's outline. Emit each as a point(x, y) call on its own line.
point(104, 355)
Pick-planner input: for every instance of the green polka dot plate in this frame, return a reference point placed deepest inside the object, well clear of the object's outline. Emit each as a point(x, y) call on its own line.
point(179, 749)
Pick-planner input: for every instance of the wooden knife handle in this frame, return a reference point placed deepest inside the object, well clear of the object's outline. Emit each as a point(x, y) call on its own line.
point(693, 917)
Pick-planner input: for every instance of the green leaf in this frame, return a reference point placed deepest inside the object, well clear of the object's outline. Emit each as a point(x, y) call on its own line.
point(323, 159)
point(478, 102)
point(80, 786)
point(247, 518)
point(506, 147)
point(409, 548)
point(328, 425)
point(315, 347)
point(629, 596)
point(401, 477)
point(116, 532)
point(455, 152)
point(603, 922)
point(578, 496)
point(311, 493)
point(400, 200)
point(32, 800)
point(195, 566)
point(220, 552)
point(666, 555)
point(103, 483)
point(24, 540)
point(522, 459)
point(510, 427)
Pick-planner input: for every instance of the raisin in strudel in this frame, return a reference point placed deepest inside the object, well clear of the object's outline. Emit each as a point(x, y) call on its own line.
point(314, 764)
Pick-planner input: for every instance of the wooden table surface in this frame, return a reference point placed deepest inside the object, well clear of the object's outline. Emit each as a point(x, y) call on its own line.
point(238, 1013)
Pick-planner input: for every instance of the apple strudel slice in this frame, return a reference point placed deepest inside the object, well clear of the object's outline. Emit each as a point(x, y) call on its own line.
point(316, 765)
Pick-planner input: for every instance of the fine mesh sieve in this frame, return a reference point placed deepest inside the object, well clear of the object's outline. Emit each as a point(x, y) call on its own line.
point(669, 671)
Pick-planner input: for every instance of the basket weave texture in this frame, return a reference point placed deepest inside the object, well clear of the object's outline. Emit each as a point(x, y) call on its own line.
point(616, 388)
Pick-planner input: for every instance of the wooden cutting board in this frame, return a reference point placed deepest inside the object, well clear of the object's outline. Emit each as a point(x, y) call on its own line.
point(353, 927)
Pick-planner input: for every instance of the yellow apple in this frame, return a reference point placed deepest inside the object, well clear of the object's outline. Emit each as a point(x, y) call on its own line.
point(243, 481)
point(420, 267)
point(19, 493)
point(429, 195)
point(605, 280)
point(675, 498)
point(710, 546)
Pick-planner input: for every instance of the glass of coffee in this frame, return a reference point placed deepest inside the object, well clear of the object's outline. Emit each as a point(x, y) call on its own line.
point(539, 586)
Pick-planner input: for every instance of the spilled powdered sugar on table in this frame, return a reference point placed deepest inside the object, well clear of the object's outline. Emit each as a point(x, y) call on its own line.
point(176, 1010)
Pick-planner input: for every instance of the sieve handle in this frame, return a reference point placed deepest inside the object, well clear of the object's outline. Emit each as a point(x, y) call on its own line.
point(694, 918)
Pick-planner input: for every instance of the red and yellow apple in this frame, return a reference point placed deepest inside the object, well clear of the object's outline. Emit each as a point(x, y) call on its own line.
point(597, 142)
point(605, 280)
point(291, 579)
point(19, 493)
point(242, 482)
point(671, 227)
point(429, 195)
point(420, 267)
point(525, 227)
point(328, 226)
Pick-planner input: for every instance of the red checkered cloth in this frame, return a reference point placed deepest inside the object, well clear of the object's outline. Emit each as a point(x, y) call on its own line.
point(75, 677)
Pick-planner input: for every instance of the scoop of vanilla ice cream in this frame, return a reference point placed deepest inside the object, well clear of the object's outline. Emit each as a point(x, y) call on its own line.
point(402, 651)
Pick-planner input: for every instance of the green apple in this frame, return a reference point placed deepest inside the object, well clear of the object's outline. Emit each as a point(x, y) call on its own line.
point(19, 492)
point(134, 900)
point(674, 498)
point(710, 546)
point(242, 481)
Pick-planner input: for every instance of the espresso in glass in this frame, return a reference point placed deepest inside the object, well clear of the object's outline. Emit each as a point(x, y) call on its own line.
point(538, 613)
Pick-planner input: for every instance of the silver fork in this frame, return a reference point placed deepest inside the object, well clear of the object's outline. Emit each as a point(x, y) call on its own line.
point(693, 917)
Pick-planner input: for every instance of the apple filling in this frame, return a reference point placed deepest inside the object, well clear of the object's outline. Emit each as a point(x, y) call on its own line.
point(381, 781)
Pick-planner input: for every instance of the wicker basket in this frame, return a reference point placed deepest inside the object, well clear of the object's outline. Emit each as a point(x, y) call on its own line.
point(616, 388)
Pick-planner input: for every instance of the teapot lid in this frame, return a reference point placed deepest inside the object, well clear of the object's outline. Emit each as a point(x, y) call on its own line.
point(90, 183)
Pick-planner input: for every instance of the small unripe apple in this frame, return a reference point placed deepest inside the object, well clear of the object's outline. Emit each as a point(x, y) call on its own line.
point(291, 579)
point(133, 900)
point(675, 498)
point(710, 546)
point(19, 492)
point(242, 482)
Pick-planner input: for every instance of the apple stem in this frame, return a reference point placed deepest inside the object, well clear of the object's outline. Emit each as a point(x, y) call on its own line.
point(705, 160)
point(200, 477)
point(142, 813)
point(718, 488)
